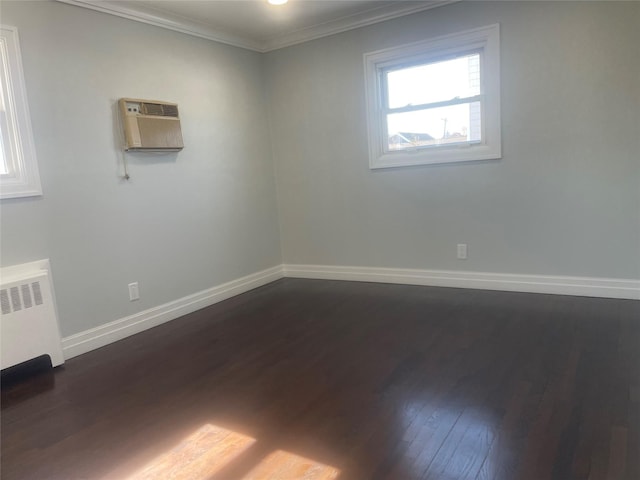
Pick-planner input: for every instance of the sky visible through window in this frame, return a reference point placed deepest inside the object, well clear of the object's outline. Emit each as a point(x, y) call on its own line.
point(429, 83)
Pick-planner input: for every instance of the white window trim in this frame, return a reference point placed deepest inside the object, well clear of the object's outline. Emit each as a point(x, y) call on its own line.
point(23, 179)
point(486, 39)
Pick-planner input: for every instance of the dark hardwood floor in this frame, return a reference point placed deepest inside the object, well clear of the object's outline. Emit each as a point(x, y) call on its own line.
point(375, 381)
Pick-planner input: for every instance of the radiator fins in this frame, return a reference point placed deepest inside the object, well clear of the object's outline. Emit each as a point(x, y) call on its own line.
point(14, 299)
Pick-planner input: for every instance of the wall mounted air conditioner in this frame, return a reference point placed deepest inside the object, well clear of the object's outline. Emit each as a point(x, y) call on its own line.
point(150, 126)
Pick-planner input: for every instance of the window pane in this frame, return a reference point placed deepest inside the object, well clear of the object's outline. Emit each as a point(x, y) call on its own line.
point(18, 165)
point(434, 82)
point(4, 155)
point(434, 126)
point(3, 162)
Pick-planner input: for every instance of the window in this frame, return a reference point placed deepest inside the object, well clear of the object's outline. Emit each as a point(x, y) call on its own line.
point(18, 166)
point(436, 101)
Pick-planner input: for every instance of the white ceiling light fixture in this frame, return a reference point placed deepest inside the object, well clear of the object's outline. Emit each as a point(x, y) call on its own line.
point(277, 2)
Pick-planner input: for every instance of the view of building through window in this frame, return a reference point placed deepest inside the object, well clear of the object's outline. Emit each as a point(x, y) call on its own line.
point(435, 103)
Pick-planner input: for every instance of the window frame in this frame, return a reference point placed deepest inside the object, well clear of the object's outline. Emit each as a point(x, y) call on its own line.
point(486, 41)
point(23, 178)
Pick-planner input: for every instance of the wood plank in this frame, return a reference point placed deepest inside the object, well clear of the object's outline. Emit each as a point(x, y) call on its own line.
point(344, 379)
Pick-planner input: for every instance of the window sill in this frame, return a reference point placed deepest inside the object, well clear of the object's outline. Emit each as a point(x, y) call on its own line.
point(409, 158)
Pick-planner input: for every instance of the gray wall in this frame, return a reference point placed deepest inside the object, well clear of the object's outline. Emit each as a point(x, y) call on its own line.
point(185, 222)
point(563, 200)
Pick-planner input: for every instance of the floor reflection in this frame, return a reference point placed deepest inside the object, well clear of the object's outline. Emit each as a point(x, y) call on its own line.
point(446, 440)
point(27, 380)
point(285, 465)
point(211, 448)
point(198, 456)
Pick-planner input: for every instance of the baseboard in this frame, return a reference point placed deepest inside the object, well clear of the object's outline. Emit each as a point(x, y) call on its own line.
point(88, 340)
point(557, 285)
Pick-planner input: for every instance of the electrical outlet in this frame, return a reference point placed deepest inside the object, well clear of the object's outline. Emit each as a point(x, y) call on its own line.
point(462, 251)
point(134, 293)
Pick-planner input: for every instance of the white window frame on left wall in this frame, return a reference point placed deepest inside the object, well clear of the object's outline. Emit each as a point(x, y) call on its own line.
point(22, 178)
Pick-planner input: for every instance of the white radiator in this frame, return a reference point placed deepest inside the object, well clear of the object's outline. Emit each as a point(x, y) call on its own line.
point(29, 324)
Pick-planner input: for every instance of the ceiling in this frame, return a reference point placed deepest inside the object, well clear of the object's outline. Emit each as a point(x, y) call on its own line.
point(254, 24)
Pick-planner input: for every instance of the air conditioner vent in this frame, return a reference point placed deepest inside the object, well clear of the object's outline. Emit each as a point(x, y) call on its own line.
point(170, 110)
point(152, 109)
point(159, 110)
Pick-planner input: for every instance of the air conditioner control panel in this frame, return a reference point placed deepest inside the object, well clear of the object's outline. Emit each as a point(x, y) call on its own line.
point(132, 108)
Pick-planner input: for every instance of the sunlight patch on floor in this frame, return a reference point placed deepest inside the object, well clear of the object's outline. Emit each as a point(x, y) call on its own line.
point(285, 465)
point(198, 456)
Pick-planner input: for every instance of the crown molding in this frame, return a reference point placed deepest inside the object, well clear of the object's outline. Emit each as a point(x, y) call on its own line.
point(170, 22)
point(350, 22)
point(179, 24)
